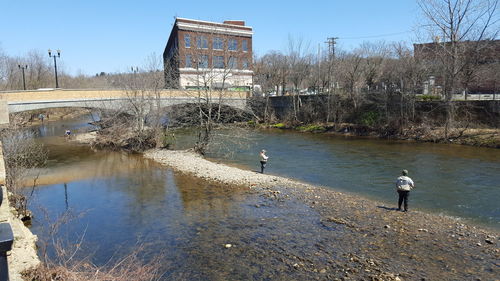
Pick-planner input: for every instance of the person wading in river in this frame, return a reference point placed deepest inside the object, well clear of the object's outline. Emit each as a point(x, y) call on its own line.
point(263, 160)
point(403, 186)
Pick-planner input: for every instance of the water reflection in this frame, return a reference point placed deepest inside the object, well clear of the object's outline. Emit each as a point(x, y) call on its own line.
point(127, 199)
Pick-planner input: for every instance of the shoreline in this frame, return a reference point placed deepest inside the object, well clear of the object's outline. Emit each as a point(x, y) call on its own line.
point(487, 137)
point(23, 255)
point(420, 241)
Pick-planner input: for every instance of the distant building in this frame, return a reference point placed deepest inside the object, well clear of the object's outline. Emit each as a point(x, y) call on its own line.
point(203, 54)
point(479, 63)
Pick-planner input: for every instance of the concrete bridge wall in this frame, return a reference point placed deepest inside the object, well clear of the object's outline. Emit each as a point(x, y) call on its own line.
point(4, 113)
point(108, 99)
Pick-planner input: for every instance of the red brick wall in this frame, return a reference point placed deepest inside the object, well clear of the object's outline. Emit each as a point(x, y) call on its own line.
point(193, 50)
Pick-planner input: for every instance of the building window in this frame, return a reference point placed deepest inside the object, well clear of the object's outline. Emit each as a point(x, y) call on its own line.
point(232, 45)
point(244, 45)
point(203, 63)
point(189, 62)
point(218, 43)
point(202, 42)
point(233, 63)
point(187, 41)
point(218, 62)
point(245, 64)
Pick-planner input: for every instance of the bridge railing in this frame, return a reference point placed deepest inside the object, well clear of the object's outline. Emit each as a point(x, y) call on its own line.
point(54, 94)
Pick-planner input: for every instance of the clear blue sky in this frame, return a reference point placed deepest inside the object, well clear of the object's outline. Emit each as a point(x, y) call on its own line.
point(111, 36)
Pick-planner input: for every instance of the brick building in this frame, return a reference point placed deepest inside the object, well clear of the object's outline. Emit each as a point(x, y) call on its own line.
point(479, 63)
point(202, 54)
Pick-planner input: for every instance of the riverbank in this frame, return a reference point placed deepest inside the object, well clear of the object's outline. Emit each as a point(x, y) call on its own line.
point(37, 117)
point(23, 255)
point(483, 137)
point(355, 237)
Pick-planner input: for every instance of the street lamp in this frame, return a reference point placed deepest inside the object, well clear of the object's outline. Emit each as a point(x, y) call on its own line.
point(55, 63)
point(23, 67)
point(134, 70)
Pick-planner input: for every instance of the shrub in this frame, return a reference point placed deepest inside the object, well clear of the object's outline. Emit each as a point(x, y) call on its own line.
point(311, 128)
point(369, 118)
point(430, 98)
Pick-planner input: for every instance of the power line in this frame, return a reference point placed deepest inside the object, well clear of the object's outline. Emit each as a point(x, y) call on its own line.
point(376, 36)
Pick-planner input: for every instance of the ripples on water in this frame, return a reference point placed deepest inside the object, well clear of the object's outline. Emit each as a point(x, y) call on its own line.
point(127, 199)
point(456, 180)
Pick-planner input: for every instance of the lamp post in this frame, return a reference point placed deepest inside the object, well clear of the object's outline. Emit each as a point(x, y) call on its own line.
point(23, 67)
point(134, 70)
point(55, 63)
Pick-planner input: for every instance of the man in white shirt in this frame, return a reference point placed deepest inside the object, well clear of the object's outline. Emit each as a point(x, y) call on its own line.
point(403, 186)
point(263, 160)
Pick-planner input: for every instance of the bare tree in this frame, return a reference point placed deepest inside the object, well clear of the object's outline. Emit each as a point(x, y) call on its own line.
point(271, 73)
point(454, 22)
point(3, 69)
point(216, 63)
point(350, 74)
point(299, 65)
point(21, 154)
point(139, 122)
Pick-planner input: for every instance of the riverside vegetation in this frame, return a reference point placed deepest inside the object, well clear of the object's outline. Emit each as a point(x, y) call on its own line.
point(376, 256)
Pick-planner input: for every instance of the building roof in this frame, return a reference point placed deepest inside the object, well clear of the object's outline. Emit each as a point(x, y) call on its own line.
point(228, 27)
point(214, 27)
point(238, 24)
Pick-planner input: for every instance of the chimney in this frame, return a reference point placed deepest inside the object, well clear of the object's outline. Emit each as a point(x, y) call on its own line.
point(235, 22)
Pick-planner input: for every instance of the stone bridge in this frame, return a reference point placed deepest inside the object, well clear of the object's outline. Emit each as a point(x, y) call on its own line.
point(17, 101)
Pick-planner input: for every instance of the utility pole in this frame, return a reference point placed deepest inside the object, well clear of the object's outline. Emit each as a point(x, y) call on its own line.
point(331, 56)
point(331, 41)
point(23, 67)
point(319, 68)
point(331, 46)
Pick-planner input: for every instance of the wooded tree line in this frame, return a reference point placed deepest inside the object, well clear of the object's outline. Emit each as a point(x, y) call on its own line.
point(378, 79)
point(39, 73)
point(378, 82)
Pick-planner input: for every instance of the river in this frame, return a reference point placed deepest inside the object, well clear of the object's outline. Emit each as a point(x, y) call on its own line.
point(454, 180)
point(120, 199)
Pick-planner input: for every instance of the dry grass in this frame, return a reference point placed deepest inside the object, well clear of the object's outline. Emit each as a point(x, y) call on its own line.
point(68, 262)
point(130, 267)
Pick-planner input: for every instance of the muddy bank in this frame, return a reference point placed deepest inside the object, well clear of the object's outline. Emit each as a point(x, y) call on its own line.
point(37, 117)
point(485, 137)
point(348, 237)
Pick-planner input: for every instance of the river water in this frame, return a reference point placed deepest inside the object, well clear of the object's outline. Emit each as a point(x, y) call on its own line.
point(126, 199)
point(454, 180)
